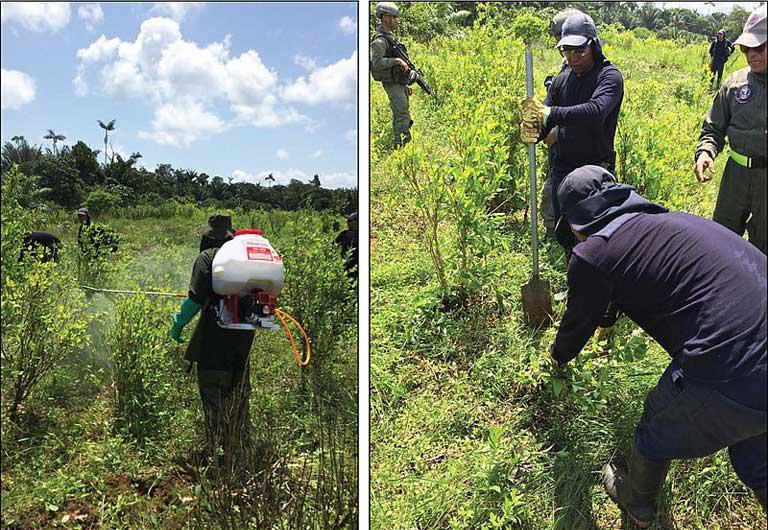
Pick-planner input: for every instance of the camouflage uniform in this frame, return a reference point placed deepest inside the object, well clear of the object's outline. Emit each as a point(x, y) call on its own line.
point(384, 68)
point(739, 113)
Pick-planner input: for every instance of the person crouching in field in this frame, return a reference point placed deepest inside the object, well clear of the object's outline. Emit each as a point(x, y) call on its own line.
point(739, 114)
point(223, 374)
point(42, 246)
point(700, 291)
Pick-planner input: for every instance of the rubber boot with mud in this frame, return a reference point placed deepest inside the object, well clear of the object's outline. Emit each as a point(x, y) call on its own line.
point(636, 492)
point(760, 494)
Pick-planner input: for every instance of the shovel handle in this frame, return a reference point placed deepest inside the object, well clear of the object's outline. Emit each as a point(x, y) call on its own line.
point(532, 168)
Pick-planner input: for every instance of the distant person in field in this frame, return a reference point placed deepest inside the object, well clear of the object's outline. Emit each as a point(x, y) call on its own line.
point(583, 104)
point(719, 51)
point(392, 71)
point(700, 291)
point(547, 215)
point(42, 246)
point(94, 239)
point(223, 374)
point(348, 241)
point(738, 113)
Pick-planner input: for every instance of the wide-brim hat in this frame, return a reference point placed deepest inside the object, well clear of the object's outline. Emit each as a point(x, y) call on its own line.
point(219, 228)
point(578, 30)
point(755, 30)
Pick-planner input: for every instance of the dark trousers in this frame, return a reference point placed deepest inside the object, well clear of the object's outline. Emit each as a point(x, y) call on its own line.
point(717, 72)
point(683, 419)
point(741, 202)
point(225, 404)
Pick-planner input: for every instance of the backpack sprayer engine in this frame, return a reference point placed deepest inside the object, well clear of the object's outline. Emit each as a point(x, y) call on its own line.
point(247, 277)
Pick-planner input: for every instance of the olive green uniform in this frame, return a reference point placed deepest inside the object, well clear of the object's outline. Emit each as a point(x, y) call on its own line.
point(222, 363)
point(384, 68)
point(739, 113)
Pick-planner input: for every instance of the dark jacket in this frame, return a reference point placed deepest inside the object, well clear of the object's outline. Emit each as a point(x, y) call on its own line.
point(720, 51)
point(586, 111)
point(694, 286)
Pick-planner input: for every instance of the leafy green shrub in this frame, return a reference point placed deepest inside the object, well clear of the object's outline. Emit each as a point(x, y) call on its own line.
point(138, 345)
point(102, 201)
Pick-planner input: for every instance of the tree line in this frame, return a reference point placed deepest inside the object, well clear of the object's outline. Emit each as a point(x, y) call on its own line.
point(73, 176)
point(424, 21)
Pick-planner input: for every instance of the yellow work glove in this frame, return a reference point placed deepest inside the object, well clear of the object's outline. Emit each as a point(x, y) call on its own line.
point(534, 112)
point(529, 133)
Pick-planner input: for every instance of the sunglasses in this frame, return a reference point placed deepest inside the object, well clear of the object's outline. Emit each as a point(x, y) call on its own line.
point(757, 49)
point(574, 52)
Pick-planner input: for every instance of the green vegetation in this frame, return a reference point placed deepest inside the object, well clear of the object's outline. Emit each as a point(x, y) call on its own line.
point(100, 420)
point(469, 430)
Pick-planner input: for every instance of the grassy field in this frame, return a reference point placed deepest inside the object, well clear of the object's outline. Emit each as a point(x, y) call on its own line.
point(106, 439)
point(468, 429)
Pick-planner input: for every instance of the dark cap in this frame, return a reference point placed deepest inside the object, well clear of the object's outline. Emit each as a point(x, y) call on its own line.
point(219, 228)
point(556, 24)
point(578, 30)
point(352, 217)
point(84, 211)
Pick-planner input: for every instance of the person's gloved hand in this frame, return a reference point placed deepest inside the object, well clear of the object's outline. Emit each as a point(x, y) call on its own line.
point(529, 133)
point(175, 332)
point(534, 112)
point(187, 311)
point(704, 163)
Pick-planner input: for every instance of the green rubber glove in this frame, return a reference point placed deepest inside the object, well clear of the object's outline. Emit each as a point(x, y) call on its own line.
point(186, 313)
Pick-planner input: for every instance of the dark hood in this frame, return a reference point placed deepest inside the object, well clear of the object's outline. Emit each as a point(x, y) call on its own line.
point(590, 198)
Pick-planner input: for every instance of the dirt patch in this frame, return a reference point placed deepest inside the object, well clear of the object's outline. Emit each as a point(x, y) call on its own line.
point(72, 514)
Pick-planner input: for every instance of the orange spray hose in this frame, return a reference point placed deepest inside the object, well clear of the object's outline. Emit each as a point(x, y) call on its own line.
point(301, 362)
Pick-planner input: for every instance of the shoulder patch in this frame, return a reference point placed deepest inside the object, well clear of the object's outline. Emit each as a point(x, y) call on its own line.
point(744, 93)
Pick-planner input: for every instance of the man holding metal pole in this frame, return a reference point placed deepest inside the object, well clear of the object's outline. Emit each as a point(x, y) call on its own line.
point(583, 102)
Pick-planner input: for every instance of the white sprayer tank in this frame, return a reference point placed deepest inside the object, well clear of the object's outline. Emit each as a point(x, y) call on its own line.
point(246, 263)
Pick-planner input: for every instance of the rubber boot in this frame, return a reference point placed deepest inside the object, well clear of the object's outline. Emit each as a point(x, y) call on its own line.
point(636, 492)
point(760, 494)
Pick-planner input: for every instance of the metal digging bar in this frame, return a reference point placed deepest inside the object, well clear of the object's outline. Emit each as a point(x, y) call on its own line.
point(537, 302)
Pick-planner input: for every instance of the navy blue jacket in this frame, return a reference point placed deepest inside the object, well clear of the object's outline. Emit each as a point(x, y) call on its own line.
point(694, 286)
point(586, 111)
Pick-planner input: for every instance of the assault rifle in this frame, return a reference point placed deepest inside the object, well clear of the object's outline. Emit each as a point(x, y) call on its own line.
point(414, 74)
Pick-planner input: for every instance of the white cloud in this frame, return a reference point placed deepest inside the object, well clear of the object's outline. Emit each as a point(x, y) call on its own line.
point(707, 8)
point(335, 83)
point(317, 154)
point(338, 179)
point(91, 14)
point(347, 25)
point(99, 50)
point(170, 72)
point(181, 124)
point(36, 16)
point(281, 153)
point(308, 63)
point(351, 136)
point(17, 89)
point(177, 10)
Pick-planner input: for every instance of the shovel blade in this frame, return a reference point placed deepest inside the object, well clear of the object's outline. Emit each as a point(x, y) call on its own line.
point(537, 303)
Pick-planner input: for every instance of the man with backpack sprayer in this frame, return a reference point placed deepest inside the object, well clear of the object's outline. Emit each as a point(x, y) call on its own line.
point(223, 374)
point(700, 291)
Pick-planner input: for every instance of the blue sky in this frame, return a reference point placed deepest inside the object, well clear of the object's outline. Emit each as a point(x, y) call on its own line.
point(237, 90)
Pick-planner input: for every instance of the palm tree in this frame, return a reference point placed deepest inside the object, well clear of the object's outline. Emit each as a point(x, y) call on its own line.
point(108, 127)
point(270, 177)
point(55, 138)
point(21, 153)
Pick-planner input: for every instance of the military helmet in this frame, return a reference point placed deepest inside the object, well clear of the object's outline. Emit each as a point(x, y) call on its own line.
point(556, 24)
point(386, 8)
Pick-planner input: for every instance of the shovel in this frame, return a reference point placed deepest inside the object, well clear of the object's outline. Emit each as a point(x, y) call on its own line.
point(537, 302)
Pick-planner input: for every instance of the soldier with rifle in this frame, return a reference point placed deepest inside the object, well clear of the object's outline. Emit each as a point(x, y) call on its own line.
point(391, 66)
